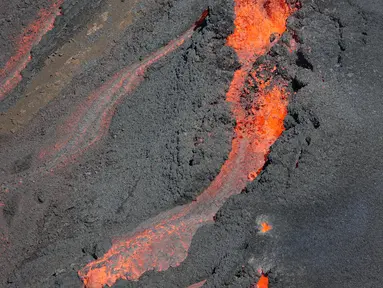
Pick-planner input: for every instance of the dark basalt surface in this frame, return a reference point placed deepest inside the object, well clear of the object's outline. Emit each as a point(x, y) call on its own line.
point(321, 188)
point(167, 141)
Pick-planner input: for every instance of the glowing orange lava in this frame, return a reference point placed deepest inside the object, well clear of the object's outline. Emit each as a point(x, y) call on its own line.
point(10, 75)
point(255, 21)
point(263, 282)
point(265, 227)
point(163, 241)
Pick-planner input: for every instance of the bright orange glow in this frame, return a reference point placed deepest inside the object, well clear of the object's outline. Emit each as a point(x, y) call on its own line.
point(263, 282)
point(255, 21)
point(164, 241)
point(265, 227)
point(10, 75)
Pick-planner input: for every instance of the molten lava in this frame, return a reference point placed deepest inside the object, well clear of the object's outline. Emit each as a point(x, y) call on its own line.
point(265, 227)
point(263, 282)
point(10, 75)
point(163, 241)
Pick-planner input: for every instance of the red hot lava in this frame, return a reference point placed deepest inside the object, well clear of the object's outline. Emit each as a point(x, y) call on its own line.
point(265, 227)
point(263, 282)
point(10, 75)
point(163, 241)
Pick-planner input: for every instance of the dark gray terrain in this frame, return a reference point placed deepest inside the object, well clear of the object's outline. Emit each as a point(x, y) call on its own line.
point(320, 189)
point(15, 16)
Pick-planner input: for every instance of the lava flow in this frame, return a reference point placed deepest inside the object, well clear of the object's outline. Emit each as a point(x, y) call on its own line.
point(90, 121)
point(10, 75)
point(265, 227)
point(163, 241)
point(263, 282)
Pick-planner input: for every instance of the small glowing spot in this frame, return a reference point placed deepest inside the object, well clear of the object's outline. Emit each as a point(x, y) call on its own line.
point(265, 227)
point(252, 176)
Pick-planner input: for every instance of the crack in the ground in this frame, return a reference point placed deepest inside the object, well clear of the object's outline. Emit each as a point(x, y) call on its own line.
point(341, 27)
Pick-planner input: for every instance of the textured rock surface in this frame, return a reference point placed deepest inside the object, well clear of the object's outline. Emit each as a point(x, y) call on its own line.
point(165, 144)
point(73, 14)
point(320, 189)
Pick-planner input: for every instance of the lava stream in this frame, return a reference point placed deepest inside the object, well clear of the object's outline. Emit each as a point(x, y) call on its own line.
point(163, 241)
point(263, 282)
point(10, 75)
point(90, 121)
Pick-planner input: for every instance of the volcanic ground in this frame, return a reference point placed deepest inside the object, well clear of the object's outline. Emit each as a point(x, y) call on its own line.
point(190, 143)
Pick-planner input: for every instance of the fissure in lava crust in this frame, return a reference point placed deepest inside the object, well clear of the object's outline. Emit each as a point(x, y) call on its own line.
point(163, 241)
point(10, 75)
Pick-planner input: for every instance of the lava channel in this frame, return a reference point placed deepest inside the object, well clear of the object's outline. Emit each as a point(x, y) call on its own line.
point(163, 241)
point(10, 75)
point(91, 119)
